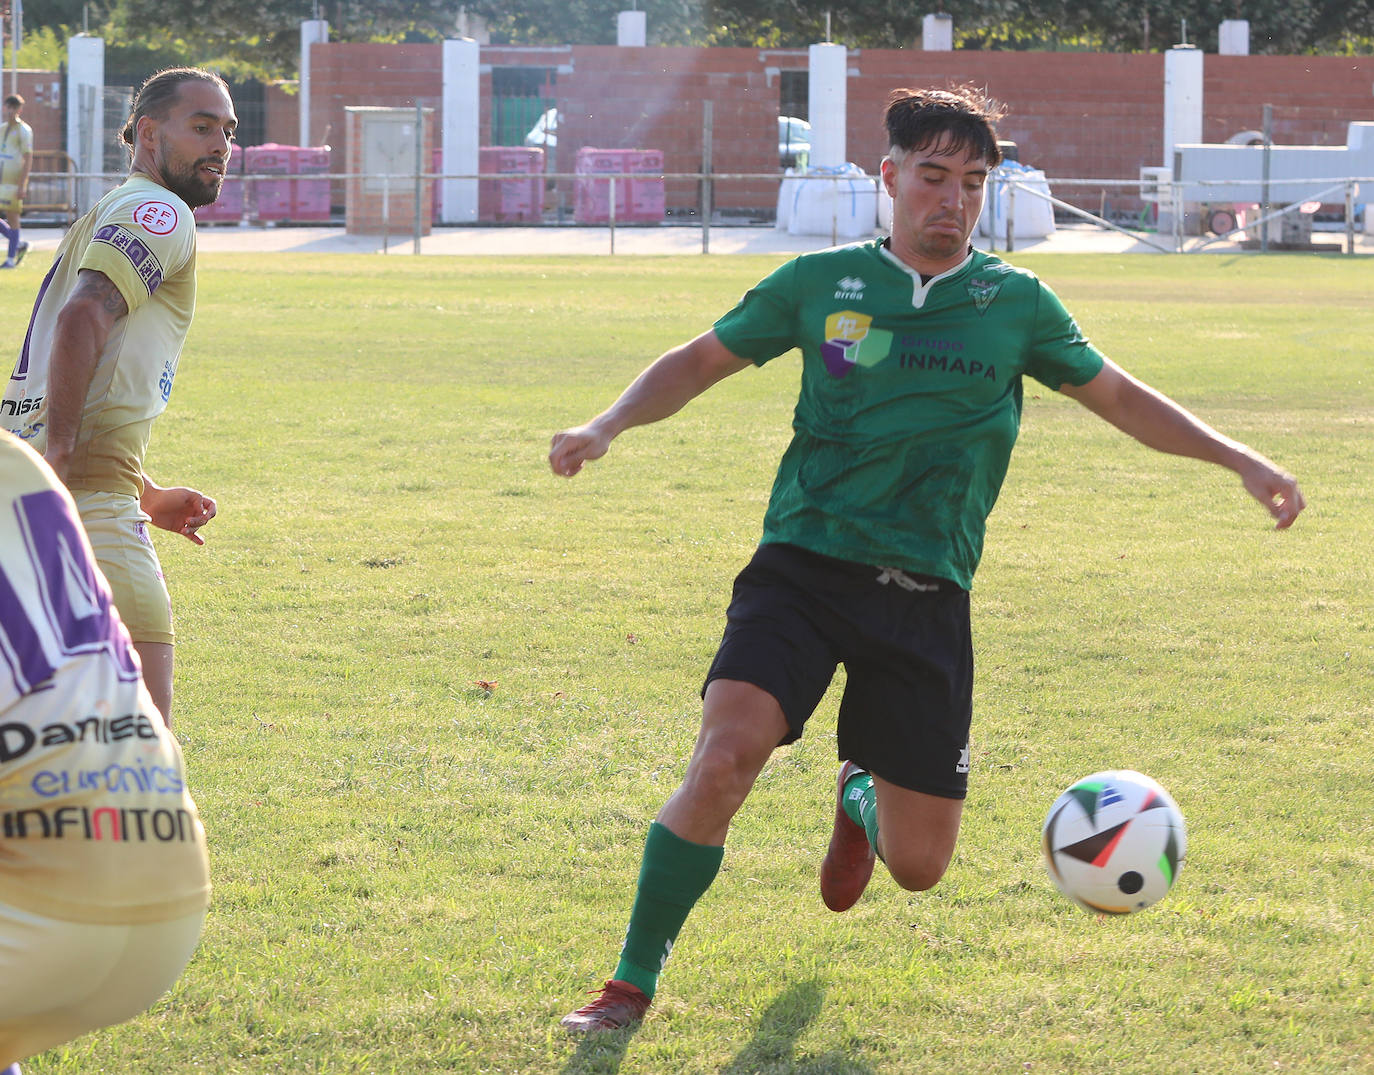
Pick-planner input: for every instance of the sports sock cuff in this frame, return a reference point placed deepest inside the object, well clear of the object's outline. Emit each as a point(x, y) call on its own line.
point(851, 798)
point(860, 802)
point(676, 870)
point(643, 979)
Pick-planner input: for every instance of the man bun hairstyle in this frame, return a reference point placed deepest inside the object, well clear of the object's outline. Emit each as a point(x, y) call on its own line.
point(962, 118)
point(156, 96)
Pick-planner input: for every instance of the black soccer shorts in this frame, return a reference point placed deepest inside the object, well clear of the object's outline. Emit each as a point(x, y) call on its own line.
point(905, 643)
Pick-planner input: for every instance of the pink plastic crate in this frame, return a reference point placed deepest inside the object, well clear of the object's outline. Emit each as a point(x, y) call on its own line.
point(228, 207)
point(270, 198)
point(519, 199)
point(310, 197)
point(289, 198)
point(637, 200)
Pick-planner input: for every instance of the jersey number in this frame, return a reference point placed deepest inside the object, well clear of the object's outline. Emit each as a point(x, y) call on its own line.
point(73, 612)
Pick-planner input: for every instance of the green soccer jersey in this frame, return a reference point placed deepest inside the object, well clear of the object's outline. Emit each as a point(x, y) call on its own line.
point(910, 398)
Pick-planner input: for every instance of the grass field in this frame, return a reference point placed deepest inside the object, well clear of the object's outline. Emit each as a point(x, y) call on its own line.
point(431, 695)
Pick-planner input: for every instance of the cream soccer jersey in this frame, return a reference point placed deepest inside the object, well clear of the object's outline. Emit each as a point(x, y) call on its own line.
point(16, 142)
point(96, 823)
point(143, 237)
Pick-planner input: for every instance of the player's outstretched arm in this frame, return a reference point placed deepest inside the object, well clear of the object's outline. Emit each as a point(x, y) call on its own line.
point(1158, 422)
point(670, 383)
point(178, 509)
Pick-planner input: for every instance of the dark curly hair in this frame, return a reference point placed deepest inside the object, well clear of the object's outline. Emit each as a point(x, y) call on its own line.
point(965, 117)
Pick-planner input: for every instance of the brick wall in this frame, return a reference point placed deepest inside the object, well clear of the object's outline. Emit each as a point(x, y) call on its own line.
point(1314, 97)
point(1074, 115)
point(282, 116)
point(42, 93)
point(368, 74)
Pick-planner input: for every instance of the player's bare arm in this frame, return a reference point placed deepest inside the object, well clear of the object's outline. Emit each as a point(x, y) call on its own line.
point(1158, 422)
point(177, 509)
point(673, 380)
point(83, 326)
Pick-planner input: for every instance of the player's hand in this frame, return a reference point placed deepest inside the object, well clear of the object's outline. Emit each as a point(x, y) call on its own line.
point(573, 447)
point(179, 509)
point(1276, 489)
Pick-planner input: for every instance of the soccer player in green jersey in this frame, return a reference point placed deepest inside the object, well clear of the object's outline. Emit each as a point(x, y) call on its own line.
point(914, 348)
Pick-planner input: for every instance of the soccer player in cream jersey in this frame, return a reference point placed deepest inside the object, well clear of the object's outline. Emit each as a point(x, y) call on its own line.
point(16, 157)
point(101, 352)
point(913, 352)
point(103, 874)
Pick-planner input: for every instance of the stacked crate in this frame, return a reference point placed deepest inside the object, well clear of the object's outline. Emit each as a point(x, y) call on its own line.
point(639, 195)
point(518, 199)
point(270, 198)
point(310, 197)
point(290, 198)
point(228, 207)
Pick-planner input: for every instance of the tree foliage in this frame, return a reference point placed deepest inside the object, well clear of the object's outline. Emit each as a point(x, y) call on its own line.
point(262, 37)
point(588, 22)
point(1276, 26)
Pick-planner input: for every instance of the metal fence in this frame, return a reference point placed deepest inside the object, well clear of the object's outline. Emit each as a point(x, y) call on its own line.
point(1168, 223)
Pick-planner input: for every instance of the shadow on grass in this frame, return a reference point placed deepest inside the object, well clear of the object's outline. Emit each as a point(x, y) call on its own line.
point(597, 1054)
point(773, 1048)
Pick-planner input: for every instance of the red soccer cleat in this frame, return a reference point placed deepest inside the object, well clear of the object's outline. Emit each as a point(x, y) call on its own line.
point(848, 863)
point(617, 1005)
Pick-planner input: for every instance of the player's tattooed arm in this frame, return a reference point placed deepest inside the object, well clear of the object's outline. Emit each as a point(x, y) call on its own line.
point(83, 325)
point(95, 287)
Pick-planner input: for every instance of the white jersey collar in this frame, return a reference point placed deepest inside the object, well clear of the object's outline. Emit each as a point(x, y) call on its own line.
point(920, 291)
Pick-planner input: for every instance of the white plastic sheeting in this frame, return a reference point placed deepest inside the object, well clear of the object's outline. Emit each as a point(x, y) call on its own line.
point(845, 206)
point(1031, 217)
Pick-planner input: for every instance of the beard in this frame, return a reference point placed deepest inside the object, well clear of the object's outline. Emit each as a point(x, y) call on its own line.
point(190, 184)
point(942, 243)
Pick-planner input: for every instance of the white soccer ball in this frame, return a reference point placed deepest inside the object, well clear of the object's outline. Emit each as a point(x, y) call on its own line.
point(1114, 842)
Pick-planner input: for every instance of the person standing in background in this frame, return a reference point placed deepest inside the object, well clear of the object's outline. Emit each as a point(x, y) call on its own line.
point(16, 156)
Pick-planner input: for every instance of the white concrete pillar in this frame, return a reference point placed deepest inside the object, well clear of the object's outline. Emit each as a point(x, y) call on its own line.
point(1182, 99)
point(1233, 38)
point(460, 137)
point(937, 33)
point(86, 114)
point(630, 29)
point(828, 100)
point(313, 32)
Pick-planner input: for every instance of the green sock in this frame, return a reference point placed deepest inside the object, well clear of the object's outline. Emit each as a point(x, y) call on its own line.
point(860, 802)
point(675, 874)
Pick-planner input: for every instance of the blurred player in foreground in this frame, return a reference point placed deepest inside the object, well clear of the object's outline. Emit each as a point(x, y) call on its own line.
point(102, 349)
point(913, 352)
point(104, 880)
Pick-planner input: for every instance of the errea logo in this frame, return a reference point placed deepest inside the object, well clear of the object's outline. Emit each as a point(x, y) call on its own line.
point(849, 287)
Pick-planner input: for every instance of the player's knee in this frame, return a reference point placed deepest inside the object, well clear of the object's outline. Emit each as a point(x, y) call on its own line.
point(723, 769)
point(914, 869)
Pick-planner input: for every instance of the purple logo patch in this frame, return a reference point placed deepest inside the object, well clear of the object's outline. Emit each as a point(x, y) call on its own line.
point(836, 355)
